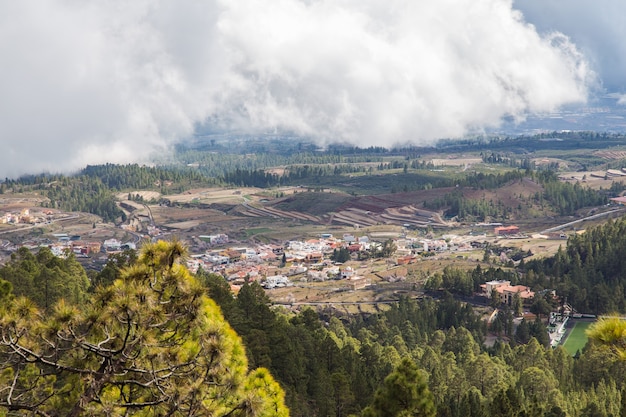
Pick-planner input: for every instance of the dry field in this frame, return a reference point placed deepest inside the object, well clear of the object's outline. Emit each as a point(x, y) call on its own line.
point(541, 247)
point(396, 209)
point(509, 194)
point(611, 154)
point(591, 179)
point(216, 195)
point(338, 296)
point(13, 203)
point(181, 218)
point(544, 162)
point(453, 161)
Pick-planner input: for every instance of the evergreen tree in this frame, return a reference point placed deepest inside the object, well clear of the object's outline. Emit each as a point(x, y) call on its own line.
point(114, 267)
point(610, 332)
point(340, 255)
point(403, 393)
point(150, 344)
point(501, 406)
point(6, 291)
point(45, 278)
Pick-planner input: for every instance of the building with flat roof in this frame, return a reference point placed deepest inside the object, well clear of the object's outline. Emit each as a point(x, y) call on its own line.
point(506, 230)
point(619, 200)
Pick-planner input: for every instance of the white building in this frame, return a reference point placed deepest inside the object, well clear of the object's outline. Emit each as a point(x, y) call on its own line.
point(112, 244)
point(274, 281)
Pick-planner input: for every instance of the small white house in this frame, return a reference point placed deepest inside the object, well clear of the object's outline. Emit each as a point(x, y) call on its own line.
point(275, 281)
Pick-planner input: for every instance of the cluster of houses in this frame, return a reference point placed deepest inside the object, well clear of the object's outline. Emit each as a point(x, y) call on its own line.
point(279, 265)
point(24, 216)
point(61, 248)
point(86, 248)
point(80, 249)
point(67, 244)
point(309, 260)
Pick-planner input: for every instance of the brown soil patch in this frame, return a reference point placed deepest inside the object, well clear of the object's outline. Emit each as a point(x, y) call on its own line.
point(455, 162)
point(379, 203)
point(9, 203)
point(314, 203)
point(611, 154)
point(215, 195)
point(511, 195)
point(175, 215)
point(591, 179)
point(540, 247)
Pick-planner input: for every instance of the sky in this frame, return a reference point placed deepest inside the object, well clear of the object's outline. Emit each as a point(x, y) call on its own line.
point(87, 82)
point(593, 26)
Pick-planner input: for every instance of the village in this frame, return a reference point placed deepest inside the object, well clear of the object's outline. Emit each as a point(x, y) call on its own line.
point(359, 267)
point(351, 261)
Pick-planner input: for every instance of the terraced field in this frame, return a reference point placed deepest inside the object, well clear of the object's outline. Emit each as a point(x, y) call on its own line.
point(340, 209)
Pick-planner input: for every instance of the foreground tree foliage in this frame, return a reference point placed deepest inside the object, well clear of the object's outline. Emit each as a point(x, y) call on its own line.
point(151, 344)
point(610, 332)
point(6, 290)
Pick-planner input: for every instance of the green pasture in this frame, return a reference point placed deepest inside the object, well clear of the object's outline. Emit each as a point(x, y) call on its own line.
point(577, 339)
point(257, 230)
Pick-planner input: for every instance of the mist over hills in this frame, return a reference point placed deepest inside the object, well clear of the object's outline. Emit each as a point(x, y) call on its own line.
point(604, 113)
point(97, 82)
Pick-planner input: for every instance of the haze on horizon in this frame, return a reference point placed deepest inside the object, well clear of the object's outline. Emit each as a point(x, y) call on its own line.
point(93, 82)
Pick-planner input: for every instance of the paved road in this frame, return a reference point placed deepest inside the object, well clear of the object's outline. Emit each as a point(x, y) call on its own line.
point(595, 216)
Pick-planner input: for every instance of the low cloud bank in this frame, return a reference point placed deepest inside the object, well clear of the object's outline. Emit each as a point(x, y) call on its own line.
point(93, 82)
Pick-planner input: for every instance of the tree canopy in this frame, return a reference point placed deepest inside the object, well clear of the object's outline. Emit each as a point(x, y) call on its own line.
point(610, 332)
point(403, 393)
point(152, 343)
point(46, 278)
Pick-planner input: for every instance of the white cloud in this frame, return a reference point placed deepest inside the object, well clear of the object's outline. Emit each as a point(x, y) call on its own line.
point(90, 82)
point(597, 28)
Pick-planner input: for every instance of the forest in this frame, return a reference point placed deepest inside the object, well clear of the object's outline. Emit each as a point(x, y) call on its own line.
point(94, 189)
point(322, 362)
point(589, 271)
point(562, 197)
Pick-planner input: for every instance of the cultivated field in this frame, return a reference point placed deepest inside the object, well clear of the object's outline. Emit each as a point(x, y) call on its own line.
point(541, 247)
point(216, 195)
point(456, 162)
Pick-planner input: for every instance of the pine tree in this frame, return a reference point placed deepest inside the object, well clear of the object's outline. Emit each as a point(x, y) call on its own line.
point(6, 291)
point(151, 343)
point(403, 393)
point(610, 332)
